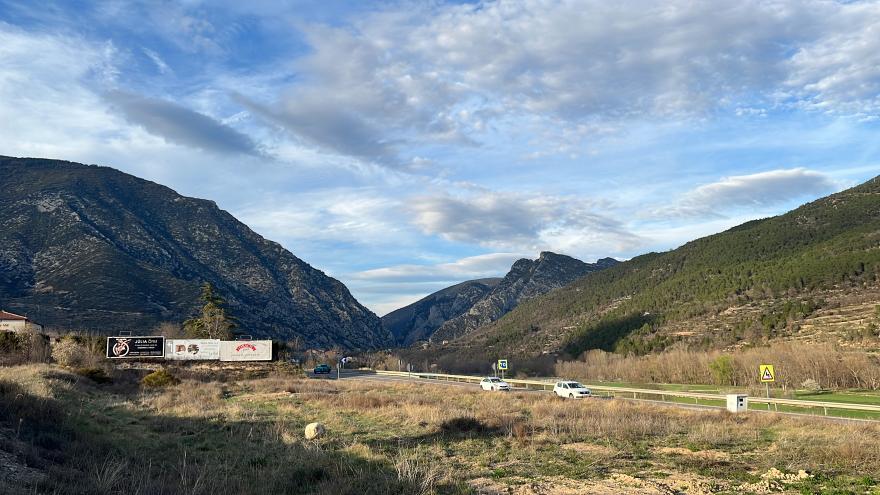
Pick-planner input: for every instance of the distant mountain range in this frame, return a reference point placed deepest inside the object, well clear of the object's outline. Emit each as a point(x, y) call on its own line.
point(92, 248)
point(421, 319)
point(458, 310)
point(812, 270)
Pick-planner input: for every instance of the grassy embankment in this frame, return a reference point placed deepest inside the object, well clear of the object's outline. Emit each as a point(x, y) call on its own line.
point(869, 397)
point(61, 433)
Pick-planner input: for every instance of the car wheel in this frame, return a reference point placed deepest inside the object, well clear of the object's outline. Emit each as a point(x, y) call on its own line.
point(493, 388)
point(571, 396)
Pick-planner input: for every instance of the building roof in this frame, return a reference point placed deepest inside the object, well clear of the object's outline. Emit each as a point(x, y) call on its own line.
point(11, 316)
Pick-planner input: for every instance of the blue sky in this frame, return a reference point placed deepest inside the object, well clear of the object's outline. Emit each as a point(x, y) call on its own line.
point(405, 146)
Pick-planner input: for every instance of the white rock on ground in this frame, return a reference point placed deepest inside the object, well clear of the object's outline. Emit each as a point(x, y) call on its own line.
point(315, 431)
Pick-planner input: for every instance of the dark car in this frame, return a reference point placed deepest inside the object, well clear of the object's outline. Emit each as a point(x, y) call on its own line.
point(322, 368)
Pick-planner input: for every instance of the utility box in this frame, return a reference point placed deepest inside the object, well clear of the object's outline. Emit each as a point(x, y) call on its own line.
point(737, 403)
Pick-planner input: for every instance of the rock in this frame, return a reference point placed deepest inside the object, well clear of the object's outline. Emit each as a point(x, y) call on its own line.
point(315, 431)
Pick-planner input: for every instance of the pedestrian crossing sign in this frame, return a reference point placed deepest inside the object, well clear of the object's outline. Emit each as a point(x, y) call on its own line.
point(767, 373)
point(502, 364)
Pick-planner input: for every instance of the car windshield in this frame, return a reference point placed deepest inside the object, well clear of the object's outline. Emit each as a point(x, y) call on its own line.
point(494, 380)
point(575, 385)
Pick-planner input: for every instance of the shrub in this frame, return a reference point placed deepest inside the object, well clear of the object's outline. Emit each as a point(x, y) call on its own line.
point(811, 385)
point(723, 371)
point(69, 352)
point(160, 378)
point(464, 424)
point(97, 375)
point(24, 347)
point(833, 367)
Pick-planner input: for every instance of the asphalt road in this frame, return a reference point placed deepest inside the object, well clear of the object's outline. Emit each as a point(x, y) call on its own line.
point(355, 375)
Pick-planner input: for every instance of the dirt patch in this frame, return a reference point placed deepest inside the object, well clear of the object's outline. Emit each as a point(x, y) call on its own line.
point(615, 484)
point(708, 455)
point(774, 481)
point(590, 449)
point(673, 484)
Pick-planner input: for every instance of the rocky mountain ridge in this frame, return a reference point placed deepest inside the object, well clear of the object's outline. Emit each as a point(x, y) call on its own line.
point(418, 321)
point(92, 248)
point(459, 310)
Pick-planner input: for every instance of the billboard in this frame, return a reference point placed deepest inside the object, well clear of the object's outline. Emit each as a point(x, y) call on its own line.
point(189, 349)
point(246, 350)
point(135, 347)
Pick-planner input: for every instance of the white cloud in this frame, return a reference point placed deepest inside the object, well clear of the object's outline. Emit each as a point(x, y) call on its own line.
point(330, 214)
point(840, 71)
point(472, 267)
point(392, 287)
point(755, 191)
point(161, 66)
point(46, 110)
point(445, 73)
point(523, 222)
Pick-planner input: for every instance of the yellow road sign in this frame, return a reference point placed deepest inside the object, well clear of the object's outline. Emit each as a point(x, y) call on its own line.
point(502, 364)
point(767, 374)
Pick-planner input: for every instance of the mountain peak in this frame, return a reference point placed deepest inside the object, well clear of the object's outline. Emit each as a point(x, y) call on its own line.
point(92, 248)
point(525, 280)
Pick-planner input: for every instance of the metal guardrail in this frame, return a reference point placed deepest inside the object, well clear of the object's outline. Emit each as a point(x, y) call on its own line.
point(636, 392)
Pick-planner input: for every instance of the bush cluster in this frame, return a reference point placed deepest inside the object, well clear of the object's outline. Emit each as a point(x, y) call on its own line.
point(160, 378)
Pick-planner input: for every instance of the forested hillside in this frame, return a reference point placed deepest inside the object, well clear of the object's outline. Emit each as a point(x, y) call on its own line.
point(784, 265)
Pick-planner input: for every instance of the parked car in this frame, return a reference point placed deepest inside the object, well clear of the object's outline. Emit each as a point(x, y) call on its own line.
point(571, 390)
point(322, 368)
point(494, 383)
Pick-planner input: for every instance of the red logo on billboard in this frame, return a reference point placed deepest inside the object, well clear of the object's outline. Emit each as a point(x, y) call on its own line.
point(120, 348)
point(252, 347)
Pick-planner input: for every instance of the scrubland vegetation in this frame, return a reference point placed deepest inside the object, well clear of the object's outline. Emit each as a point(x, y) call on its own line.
point(797, 366)
point(65, 433)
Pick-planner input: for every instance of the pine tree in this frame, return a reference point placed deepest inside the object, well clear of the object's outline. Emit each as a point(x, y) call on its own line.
point(213, 322)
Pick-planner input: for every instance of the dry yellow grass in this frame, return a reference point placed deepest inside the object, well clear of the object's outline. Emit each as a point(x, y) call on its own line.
point(423, 438)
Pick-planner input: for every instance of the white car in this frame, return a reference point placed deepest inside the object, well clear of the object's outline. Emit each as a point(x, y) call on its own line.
point(571, 390)
point(494, 383)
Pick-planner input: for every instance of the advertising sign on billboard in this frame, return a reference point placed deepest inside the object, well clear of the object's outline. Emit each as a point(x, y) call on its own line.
point(135, 347)
point(246, 350)
point(189, 349)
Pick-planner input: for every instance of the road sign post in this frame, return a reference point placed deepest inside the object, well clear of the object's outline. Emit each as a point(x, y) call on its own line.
point(502, 365)
point(768, 376)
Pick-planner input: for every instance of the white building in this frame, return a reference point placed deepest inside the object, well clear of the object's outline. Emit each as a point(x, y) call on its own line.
point(11, 322)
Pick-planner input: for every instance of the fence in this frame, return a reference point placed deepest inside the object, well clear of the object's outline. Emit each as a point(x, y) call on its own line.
point(662, 394)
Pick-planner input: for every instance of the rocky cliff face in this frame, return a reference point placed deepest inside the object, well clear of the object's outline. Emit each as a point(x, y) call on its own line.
point(93, 248)
point(525, 280)
point(420, 320)
point(460, 309)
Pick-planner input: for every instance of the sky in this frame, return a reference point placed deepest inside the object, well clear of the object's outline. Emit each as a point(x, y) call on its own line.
point(402, 147)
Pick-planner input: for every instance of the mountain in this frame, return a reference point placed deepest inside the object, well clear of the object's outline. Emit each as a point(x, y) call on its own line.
point(89, 247)
point(421, 319)
point(777, 278)
point(526, 279)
